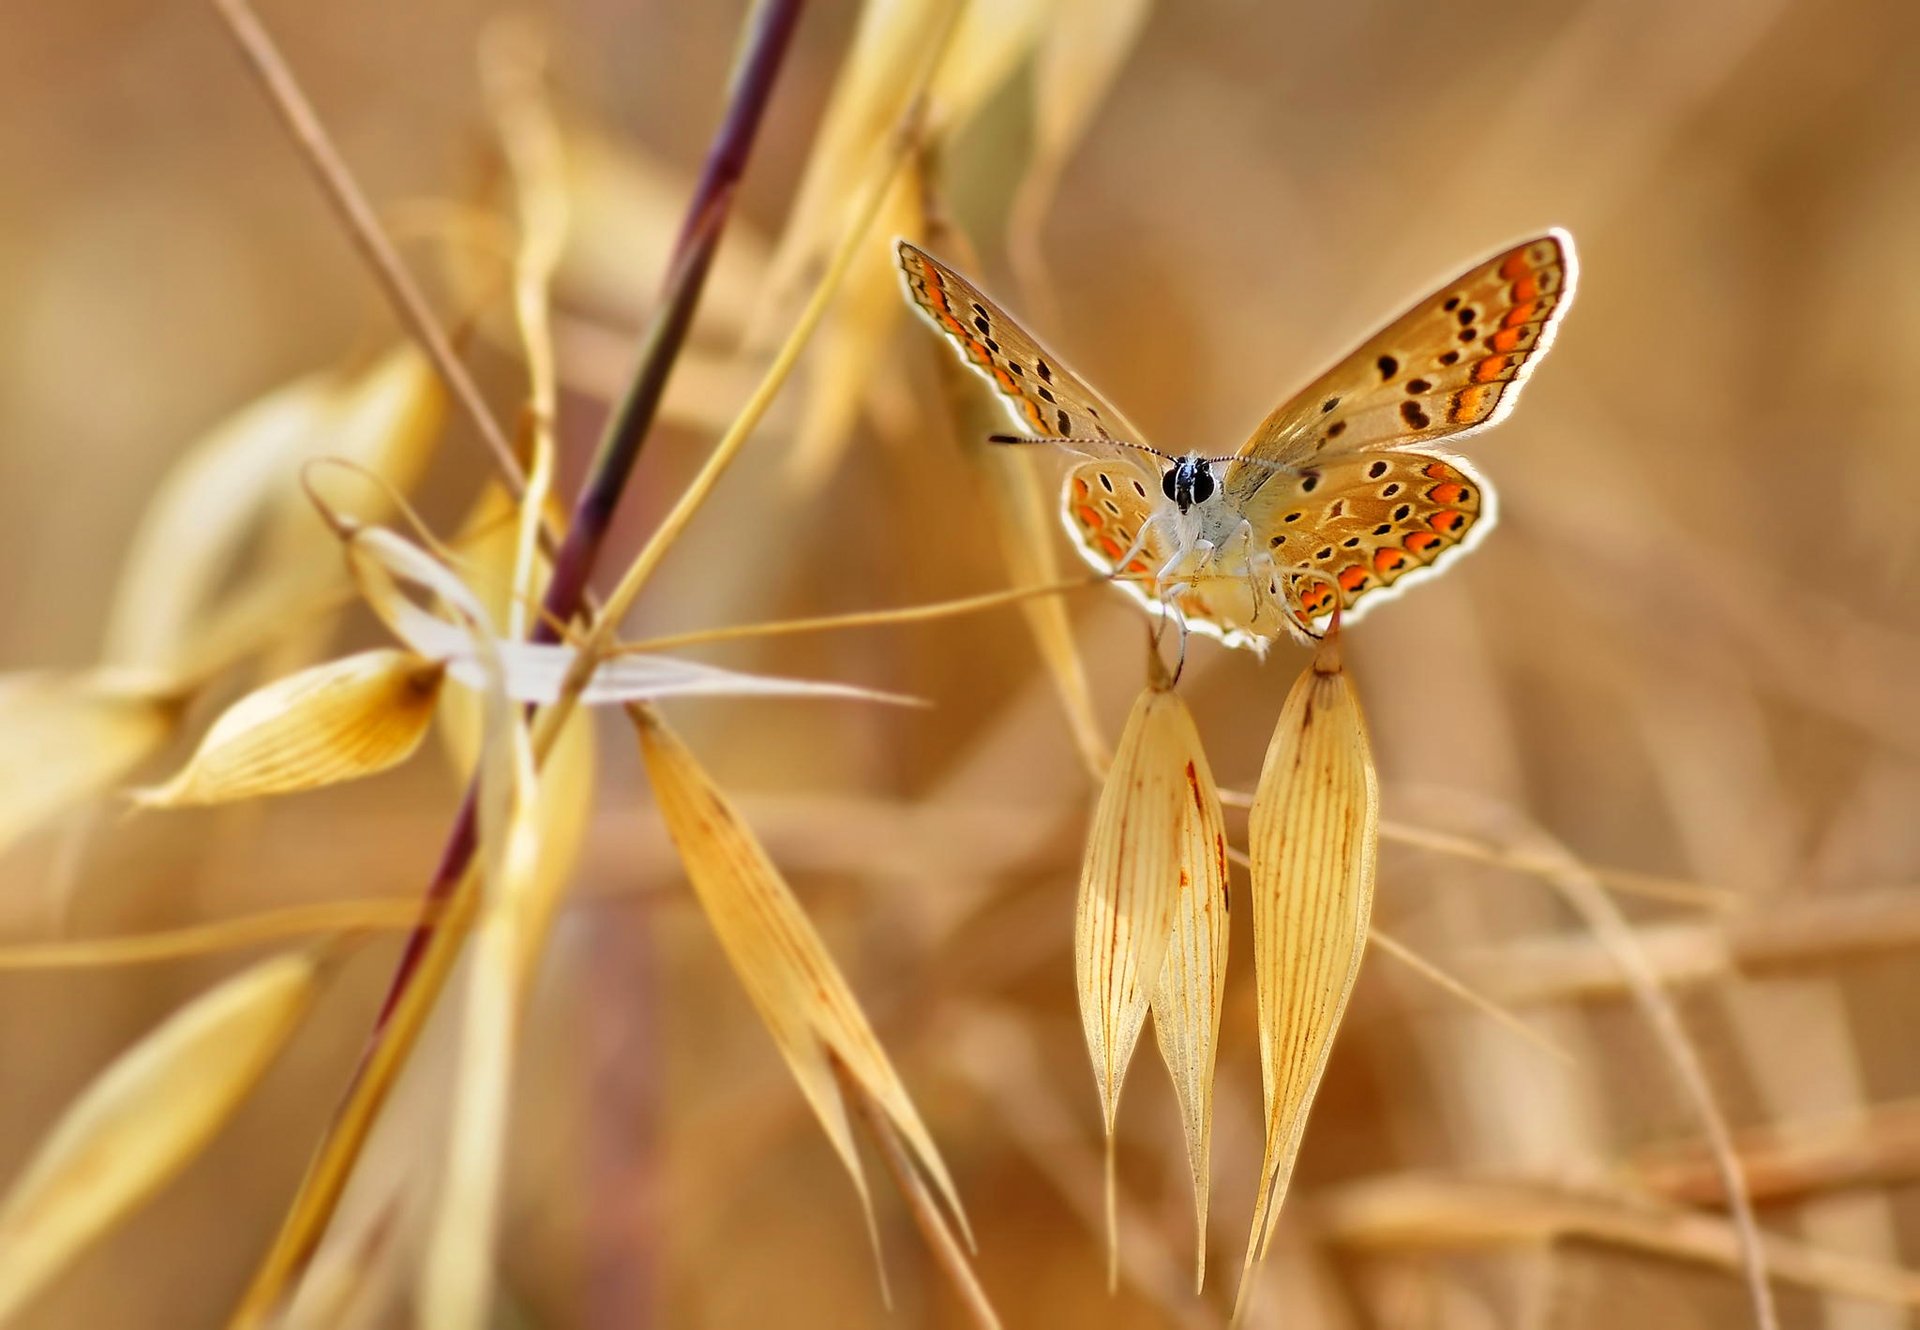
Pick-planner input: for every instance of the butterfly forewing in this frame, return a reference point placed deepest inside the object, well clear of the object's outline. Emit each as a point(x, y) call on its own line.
point(1045, 397)
point(1451, 364)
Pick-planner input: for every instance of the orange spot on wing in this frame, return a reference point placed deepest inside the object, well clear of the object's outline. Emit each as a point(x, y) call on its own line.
point(1090, 518)
point(1491, 368)
point(1526, 312)
point(1505, 340)
point(1436, 471)
point(1113, 547)
point(1421, 541)
point(1387, 562)
point(1449, 521)
point(1446, 494)
point(1080, 487)
point(1471, 403)
point(1526, 287)
point(1005, 380)
point(1353, 577)
point(1515, 266)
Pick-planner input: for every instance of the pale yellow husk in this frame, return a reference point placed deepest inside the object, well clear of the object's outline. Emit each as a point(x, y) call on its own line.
point(1314, 840)
point(1187, 998)
point(67, 738)
point(144, 1119)
point(1156, 845)
point(1130, 882)
point(340, 721)
point(799, 992)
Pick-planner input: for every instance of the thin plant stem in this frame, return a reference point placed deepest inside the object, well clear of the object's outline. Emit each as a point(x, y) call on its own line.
point(350, 203)
point(940, 609)
point(768, 34)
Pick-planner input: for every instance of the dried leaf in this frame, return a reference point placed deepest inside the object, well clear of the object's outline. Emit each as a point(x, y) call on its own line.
point(1155, 834)
point(536, 672)
point(340, 721)
point(785, 967)
point(144, 1119)
point(1187, 999)
point(69, 738)
point(178, 587)
point(1314, 841)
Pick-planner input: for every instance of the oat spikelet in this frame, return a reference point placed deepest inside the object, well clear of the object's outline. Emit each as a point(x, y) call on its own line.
point(1187, 998)
point(799, 992)
point(1314, 840)
point(1141, 854)
point(144, 1119)
point(335, 722)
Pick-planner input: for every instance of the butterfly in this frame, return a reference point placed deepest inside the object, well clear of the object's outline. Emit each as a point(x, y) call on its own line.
point(1343, 496)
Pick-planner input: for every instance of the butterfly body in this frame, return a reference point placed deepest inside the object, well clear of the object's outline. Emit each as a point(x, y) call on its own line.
point(1342, 497)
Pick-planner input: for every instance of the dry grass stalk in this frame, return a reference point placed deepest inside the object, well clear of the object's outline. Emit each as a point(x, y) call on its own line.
point(323, 918)
point(1419, 1212)
point(144, 1119)
point(1879, 1145)
point(363, 227)
point(1314, 841)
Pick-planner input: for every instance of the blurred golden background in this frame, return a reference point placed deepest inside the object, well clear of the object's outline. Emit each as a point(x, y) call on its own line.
point(1688, 654)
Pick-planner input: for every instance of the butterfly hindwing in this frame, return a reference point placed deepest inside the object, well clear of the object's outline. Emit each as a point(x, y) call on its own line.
point(1045, 397)
point(1353, 528)
point(1107, 505)
point(1452, 364)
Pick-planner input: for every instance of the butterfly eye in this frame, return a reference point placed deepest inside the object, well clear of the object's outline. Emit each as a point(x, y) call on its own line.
point(1202, 485)
point(1166, 482)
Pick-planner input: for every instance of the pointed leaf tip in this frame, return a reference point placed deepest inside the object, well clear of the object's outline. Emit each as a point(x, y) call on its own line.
point(339, 721)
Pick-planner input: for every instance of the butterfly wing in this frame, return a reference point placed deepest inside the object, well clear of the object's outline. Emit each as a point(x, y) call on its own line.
point(1359, 529)
point(1044, 396)
point(1452, 364)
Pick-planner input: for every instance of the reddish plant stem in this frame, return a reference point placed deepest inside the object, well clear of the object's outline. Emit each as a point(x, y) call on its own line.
point(767, 38)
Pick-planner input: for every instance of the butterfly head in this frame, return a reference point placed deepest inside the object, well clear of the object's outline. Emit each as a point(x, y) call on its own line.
point(1188, 481)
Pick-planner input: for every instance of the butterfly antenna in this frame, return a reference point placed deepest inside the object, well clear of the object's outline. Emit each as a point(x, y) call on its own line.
point(1080, 442)
point(1260, 461)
